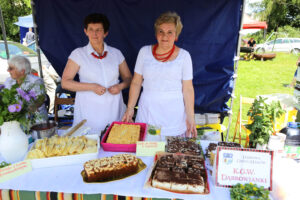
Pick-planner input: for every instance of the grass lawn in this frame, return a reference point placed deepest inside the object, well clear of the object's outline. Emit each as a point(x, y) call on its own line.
point(260, 78)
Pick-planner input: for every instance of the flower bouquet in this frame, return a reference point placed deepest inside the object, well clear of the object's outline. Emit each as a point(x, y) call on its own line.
point(16, 108)
point(17, 104)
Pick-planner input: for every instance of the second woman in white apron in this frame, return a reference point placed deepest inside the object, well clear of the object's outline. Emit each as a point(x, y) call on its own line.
point(165, 71)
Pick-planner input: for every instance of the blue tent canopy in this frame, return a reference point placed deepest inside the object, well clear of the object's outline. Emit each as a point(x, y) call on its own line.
point(25, 21)
point(210, 33)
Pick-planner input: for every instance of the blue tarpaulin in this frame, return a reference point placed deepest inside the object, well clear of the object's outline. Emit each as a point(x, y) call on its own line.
point(210, 33)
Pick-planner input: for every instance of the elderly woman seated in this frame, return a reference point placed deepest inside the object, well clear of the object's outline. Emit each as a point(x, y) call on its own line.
point(19, 68)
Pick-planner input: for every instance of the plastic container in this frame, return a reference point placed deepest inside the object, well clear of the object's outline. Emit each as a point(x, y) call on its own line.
point(153, 133)
point(292, 132)
point(123, 147)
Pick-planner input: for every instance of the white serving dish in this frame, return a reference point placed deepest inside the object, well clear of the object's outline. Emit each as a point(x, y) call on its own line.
point(65, 160)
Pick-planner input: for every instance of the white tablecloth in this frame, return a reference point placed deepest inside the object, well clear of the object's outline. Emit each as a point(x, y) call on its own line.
point(67, 179)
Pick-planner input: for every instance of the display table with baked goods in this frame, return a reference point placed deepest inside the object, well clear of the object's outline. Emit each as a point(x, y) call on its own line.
point(67, 181)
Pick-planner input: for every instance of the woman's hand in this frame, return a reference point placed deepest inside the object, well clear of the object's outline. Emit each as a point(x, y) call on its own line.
point(188, 97)
point(191, 128)
point(98, 89)
point(128, 115)
point(115, 89)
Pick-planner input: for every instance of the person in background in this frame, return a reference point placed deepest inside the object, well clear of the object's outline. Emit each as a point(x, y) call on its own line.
point(51, 79)
point(165, 71)
point(29, 37)
point(293, 83)
point(98, 93)
point(252, 43)
point(19, 68)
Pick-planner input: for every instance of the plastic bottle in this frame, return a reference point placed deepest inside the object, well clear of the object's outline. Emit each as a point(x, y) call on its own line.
point(292, 132)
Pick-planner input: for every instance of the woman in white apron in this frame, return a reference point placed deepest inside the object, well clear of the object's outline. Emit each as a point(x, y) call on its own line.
point(165, 71)
point(98, 94)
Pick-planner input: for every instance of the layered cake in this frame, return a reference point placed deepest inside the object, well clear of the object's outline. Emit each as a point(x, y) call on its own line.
point(229, 144)
point(211, 152)
point(124, 134)
point(109, 168)
point(182, 145)
point(180, 173)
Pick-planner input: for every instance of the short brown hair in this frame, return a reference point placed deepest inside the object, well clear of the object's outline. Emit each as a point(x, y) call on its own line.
point(169, 17)
point(96, 18)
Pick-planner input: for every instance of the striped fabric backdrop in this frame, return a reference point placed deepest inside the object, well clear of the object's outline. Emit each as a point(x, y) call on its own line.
point(28, 195)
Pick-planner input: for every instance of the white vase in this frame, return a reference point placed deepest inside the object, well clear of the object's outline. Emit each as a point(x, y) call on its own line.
point(13, 142)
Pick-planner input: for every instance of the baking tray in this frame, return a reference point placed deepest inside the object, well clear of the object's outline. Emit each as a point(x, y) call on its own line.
point(152, 168)
point(65, 160)
point(123, 147)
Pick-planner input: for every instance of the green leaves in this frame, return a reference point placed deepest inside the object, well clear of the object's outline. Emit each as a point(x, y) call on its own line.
point(4, 164)
point(263, 118)
point(248, 191)
point(11, 10)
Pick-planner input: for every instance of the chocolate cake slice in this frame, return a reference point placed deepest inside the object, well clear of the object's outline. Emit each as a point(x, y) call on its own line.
point(180, 173)
point(162, 179)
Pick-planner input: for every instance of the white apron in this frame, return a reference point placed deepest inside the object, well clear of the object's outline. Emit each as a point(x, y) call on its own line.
point(99, 111)
point(163, 109)
point(161, 103)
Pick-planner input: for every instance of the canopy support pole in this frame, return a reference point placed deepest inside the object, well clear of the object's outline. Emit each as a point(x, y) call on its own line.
point(4, 33)
point(236, 61)
point(36, 39)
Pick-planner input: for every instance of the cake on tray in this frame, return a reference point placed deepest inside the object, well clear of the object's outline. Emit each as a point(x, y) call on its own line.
point(182, 145)
point(180, 173)
point(62, 146)
point(110, 168)
point(124, 134)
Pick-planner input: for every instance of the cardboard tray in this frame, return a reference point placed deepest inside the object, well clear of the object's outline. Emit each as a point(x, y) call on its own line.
point(123, 147)
point(65, 160)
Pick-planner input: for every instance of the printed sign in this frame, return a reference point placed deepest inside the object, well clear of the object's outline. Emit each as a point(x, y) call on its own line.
point(149, 148)
point(237, 165)
point(14, 170)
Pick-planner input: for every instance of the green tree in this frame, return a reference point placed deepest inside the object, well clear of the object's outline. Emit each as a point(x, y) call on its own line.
point(11, 10)
point(278, 13)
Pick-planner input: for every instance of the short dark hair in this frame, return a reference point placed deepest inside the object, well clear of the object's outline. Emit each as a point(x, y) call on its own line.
point(95, 18)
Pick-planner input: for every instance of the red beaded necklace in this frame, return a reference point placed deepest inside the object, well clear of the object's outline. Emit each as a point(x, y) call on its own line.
point(162, 57)
point(101, 56)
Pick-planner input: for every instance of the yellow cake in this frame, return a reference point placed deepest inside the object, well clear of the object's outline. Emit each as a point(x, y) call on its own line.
point(62, 146)
point(124, 134)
